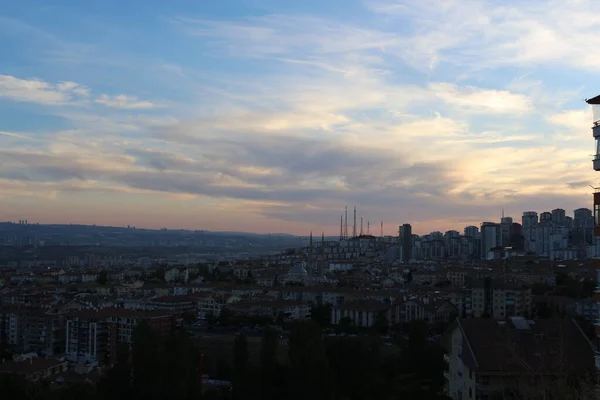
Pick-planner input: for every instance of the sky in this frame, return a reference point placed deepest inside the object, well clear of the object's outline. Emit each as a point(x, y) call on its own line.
point(272, 116)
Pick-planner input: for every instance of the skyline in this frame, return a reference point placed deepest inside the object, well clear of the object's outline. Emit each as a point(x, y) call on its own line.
point(266, 117)
point(361, 226)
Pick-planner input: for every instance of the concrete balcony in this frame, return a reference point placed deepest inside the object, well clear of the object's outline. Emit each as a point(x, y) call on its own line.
point(447, 375)
point(447, 358)
point(596, 162)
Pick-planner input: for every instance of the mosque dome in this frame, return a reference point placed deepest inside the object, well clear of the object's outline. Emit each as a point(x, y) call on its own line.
point(298, 270)
point(297, 273)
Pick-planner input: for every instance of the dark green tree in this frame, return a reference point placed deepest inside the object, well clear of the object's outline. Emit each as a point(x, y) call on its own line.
point(240, 365)
point(146, 362)
point(116, 383)
point(321, 314)
point(310, 374)
point(189, 317)
point(178, 379)
point(345, 325)
point(102, 277)
point(269, 346)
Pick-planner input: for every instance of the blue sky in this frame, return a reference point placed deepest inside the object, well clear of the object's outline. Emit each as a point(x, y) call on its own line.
point(267, 116)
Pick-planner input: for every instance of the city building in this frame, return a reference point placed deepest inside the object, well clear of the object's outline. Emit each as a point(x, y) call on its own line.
point(406, 242)
point(486, 358)
point(595, 102)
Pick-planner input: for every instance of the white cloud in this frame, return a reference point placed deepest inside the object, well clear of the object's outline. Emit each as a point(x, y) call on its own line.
point(480, 100)
point(30, 90)
point(479, 34)
point(38, 91)
point(124, 102)
point(577, 120)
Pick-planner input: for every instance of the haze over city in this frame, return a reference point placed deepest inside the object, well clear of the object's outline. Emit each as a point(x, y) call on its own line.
point(271, 116)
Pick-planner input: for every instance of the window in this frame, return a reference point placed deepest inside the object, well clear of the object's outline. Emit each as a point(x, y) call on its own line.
point(597, 214)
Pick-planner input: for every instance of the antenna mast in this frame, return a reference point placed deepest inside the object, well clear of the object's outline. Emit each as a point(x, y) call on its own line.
point(346, 223)
point(354, 226)
point(368, 228)
point(381, 228)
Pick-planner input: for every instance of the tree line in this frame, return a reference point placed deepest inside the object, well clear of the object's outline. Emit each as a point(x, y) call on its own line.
point(319, 367)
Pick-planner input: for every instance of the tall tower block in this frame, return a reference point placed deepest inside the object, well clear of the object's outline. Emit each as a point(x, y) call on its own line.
point(595, 103)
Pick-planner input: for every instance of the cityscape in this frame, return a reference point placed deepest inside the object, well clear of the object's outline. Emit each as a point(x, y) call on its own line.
point(261, 200)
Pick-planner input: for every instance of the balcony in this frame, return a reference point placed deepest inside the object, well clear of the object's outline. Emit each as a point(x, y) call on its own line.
point(596, 162)
point(597, 360)
point(447, 375)
point(447, 358)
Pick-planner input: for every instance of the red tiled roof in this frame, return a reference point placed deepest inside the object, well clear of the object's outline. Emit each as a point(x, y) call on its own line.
point(118, 312)
point(30, 366)
point(551, 345)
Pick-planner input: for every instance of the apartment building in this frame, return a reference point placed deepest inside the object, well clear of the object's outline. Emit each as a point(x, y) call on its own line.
point(12, 327)
point(485, 357)
point(213, 303)
point(93, 336)
point(34, 368)
point(364, 314)
point(500, 299)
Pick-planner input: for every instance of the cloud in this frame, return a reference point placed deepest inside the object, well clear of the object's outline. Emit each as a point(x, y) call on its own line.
point(124, 102)
point(416, 112)
point(577, 120)
point(32, 90)
point(486, 34)
point(482, 100)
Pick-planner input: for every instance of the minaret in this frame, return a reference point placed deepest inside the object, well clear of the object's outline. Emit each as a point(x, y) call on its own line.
point(322, 261)
point(354, 226)
point(310, 255)
point(341, 226)
point(346, 223)
point(381, 228)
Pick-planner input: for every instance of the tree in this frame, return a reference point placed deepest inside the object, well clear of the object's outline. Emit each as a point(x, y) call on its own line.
point(354, 364)
point(321, 314)
point(145, 361)
point(380, 325)
point(227, 317)
point(116, 383)
point(178, 378)
point(240, 365)
point(204, 271)
point(211, 319)
point(189, 318)
point(345, 325)
point(269, 346)
point(102, 277)
point(311, 376)
point(540, 288)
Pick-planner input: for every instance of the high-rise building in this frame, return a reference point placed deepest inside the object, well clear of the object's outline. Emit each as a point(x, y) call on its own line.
point(545, 217)
point(491, 237)
point(558, 217)
point(529, 221)
point(406, 242)
point(583, 226)
point(471, 231)
point(595, 102)
point(506, 225)
point(517, 240)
